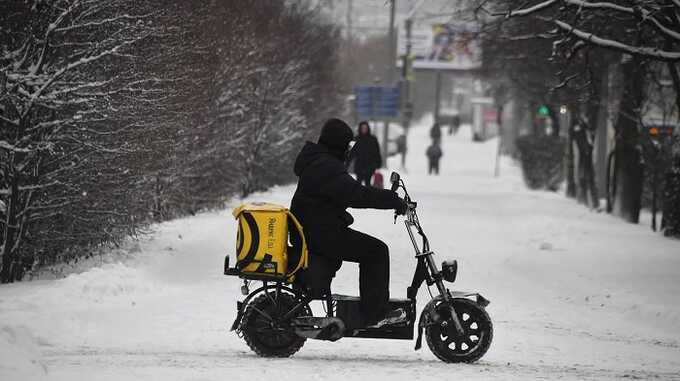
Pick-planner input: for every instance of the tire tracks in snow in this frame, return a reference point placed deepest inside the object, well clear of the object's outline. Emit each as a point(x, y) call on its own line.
point(335, 366)
point(606, 337)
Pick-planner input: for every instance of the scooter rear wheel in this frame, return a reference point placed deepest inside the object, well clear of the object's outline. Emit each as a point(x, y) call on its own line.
point(261, 328)
point(447, 344)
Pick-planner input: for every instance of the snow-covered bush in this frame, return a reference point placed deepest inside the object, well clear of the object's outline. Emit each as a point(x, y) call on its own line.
point(117, 113)
point(541, 158)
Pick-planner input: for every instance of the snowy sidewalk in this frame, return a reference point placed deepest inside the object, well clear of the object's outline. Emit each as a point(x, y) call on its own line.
point(574, 294)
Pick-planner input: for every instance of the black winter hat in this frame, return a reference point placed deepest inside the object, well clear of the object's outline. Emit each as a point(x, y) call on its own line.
point(336, 134)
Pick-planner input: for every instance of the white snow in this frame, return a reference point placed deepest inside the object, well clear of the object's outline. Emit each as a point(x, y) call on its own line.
point(574, 294)
point(20, 354)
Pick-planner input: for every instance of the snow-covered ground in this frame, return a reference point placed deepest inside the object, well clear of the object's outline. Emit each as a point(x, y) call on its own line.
point(574, 294)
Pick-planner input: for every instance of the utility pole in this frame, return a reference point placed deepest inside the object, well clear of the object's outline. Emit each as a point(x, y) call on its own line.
point(407, 107)
point(391, 46)
point(437, 96)
point(350, 4)
point(499, 122)
point(390, 75)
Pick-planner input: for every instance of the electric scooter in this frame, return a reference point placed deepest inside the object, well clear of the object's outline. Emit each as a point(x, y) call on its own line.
point(275, 319)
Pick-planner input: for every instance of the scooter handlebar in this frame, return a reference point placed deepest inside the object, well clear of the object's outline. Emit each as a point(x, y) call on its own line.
point(410, 205)
point(395, 186)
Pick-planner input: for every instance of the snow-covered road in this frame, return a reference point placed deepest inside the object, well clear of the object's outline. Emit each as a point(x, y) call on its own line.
point(574, 294)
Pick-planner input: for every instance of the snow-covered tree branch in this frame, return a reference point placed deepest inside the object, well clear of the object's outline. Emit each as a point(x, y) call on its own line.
point(115, 113)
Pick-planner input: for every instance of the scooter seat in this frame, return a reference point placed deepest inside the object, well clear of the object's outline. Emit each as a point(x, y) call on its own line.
point(316, 279)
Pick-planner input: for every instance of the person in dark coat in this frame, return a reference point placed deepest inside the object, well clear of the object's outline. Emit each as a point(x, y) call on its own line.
point(436, 133)
point(455, 125)
point(365, 154)
point(324, 191)
point(434, 153)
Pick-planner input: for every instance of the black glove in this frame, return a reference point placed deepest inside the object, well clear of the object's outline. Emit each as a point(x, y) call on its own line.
point(401, 208)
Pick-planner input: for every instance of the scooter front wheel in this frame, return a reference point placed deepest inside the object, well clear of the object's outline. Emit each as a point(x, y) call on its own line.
point(447, 344)
point(262, 330)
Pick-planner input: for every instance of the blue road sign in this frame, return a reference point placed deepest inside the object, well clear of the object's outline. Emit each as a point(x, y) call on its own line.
point(377, 101)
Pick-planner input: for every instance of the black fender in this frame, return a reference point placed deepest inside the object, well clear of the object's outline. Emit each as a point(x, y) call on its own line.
point(430, 316)
point(478, 298)
point(241, 305)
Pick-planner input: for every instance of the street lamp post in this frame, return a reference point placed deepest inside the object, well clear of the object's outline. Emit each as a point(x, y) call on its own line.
point(390, 77)
point(407, 106)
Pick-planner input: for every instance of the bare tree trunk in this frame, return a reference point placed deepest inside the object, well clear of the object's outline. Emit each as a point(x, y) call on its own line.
point(588, 139)
point(628, 167)
point(583, 158)
point(601, 132)
point(670, 220)
point(592, 184)
point(158, 199)
point(571, 181)
point(673, 70)
point(10, 232)
point(535, 127)
point(587, 190)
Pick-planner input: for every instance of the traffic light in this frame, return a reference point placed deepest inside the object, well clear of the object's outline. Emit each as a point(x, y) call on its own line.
point(543, 110)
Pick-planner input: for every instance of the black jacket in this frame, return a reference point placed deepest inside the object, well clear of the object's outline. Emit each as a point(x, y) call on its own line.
point(434, 152)
point(366, 154)
point(324, 191)
point(435, 132)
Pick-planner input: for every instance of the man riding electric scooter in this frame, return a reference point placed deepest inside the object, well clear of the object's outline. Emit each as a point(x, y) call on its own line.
point(324, 191)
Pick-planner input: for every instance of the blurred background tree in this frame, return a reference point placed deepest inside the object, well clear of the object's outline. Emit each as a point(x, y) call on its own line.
point(115, 114)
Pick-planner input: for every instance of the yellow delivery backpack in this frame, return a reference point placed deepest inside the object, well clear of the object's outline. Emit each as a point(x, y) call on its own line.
point(262, 244)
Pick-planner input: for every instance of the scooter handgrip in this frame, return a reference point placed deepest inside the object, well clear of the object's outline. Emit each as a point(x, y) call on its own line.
point(395, 186)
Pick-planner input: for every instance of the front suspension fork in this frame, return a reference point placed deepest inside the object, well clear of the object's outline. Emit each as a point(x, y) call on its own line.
point(449, 303)
point(444, 292)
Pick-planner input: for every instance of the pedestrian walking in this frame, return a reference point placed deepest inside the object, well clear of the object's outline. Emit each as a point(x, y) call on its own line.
point(365, 154)
point(434, 154)
point(436, 133)
point(401, 149)
point(455, 124)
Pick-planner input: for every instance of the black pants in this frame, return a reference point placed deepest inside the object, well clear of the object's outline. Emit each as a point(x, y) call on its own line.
point(372, 255)
point(365, 178)
point(434, 167)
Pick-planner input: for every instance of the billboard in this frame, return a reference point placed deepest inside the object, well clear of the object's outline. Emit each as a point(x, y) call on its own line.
point(450, 46)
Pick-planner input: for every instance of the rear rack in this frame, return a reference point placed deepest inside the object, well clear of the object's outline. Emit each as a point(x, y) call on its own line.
point(265, 277)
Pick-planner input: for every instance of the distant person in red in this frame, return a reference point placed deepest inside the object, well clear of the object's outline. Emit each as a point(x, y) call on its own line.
point(365, 154)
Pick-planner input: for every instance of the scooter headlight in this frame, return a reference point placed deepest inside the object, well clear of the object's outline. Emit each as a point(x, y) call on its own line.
point(449, 270)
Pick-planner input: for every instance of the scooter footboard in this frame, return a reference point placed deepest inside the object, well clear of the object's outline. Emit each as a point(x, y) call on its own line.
point(348, 309)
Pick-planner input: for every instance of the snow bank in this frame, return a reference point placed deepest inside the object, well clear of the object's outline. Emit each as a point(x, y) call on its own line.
point(128, 252)
point(20, 357)
point(105, 282)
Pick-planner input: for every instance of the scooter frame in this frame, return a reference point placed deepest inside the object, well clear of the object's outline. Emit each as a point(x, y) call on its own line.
point(426, 271)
